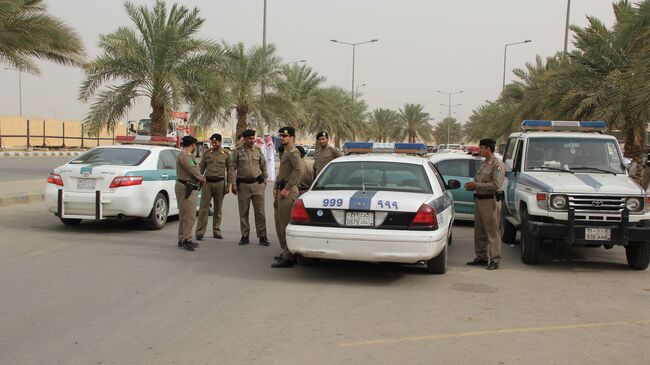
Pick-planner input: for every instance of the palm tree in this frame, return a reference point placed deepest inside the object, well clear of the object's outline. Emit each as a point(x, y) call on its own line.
point(28, 33)
point(298, 90)
point(246, 71)
point(448, 130)
point(335, 111)
point(161, 60)
point(415, 123)
point(383, 125)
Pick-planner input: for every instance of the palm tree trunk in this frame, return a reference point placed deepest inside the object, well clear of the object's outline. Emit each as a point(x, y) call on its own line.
point(158, 127)
point(242, 115)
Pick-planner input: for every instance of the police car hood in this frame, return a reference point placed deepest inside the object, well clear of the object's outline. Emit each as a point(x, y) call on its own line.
point(368, 200)
point(565, 182)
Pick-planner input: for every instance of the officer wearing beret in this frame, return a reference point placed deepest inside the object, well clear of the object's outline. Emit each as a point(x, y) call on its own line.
point(215, 164)
point(248, 179)
point(188, 180)
point(324, 152)
point(487, 182)
point(286, 192)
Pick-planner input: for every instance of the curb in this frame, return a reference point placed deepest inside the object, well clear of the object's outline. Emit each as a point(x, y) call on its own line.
point(21, 199)
point(39, 153)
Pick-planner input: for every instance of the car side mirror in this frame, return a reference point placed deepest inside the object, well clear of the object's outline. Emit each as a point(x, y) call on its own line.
point(453, 184)
point(508, 164)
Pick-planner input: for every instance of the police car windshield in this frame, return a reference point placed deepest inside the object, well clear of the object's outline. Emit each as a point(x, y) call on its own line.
point(375, 176)
point(112, 156)
point(577, 154)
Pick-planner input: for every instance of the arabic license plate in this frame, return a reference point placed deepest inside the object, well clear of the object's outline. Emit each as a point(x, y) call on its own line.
point(359, 219)
point(86, 183)
point(598, 234)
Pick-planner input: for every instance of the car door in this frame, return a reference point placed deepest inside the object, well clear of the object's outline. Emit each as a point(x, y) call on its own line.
point(167, 165)
point(512, 160)
point(459, 169)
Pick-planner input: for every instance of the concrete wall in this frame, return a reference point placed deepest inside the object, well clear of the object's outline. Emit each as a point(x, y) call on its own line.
point(55, 129)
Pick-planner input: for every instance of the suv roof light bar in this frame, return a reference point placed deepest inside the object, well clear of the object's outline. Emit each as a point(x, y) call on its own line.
point(371, 147)
point(563, 125)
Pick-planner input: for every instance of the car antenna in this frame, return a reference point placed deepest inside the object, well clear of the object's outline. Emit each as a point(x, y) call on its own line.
point(363, 180)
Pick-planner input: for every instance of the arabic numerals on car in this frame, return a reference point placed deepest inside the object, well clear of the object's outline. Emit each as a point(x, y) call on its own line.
point(387, 204)
point(332, 202)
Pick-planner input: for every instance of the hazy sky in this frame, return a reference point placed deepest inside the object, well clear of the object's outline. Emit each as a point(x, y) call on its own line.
point(423, 46)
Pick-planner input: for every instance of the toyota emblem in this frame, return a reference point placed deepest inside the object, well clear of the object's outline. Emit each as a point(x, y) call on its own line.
point(597, 203)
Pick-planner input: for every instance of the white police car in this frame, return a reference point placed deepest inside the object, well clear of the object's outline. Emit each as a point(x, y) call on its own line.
point(375, 207)
point(115, 182)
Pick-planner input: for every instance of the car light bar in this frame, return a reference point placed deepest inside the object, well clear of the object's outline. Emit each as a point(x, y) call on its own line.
point(370, 147)
point(563, 125)
point(148, 140)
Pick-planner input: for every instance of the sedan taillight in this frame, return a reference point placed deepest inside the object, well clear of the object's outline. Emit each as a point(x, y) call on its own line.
point(425, 218)
point(299, 214)
point(55, 179)
point(126, 181)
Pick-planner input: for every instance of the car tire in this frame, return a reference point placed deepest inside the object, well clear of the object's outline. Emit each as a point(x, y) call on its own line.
point(438, 264)
point(159, 212)
point(530, 243)
point(508, 230)
point(70, 221)
point(307, 261)
point(638, 253)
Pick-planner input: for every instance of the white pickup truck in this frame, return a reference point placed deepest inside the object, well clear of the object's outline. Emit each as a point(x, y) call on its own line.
point(566, 183)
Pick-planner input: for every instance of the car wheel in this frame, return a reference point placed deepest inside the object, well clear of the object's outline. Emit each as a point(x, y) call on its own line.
point(508, 230)
point(158, 216)
point(70, 221)
point(438, 264)
point(638, 253)
point(530, 243)
point(307, 261)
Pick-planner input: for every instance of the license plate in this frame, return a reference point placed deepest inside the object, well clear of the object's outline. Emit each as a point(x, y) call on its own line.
point(359, 219)
point(86, 183)
point(598, 234)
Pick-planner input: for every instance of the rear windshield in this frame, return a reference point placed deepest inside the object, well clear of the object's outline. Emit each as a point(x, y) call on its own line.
point(384, 176)
point(112, 156)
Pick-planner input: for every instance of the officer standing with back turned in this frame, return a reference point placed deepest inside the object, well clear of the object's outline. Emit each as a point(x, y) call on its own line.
point(248, 176)
point(215, 164)
point(487, 182)
point(188, 180)
point(286, 192)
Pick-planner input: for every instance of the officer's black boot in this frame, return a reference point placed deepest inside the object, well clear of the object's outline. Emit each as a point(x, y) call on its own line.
point(199, 237)
point(244, 240)
point(189, 245)
point(264, 241)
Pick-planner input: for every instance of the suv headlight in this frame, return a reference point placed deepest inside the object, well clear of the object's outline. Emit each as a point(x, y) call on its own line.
point(559, 202)
point(634, 204)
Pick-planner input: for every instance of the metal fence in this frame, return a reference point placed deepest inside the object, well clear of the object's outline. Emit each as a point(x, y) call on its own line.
point(86, 141)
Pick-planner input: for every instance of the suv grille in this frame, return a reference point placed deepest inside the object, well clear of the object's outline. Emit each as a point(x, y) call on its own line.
point(597, 207)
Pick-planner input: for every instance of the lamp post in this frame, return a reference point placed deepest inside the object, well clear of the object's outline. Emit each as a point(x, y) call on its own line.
point(356, 89)
point(354, 47)
point(449, 94)
point(300, 61)
point(566, 26)
point(505, 53)
point(20, 89)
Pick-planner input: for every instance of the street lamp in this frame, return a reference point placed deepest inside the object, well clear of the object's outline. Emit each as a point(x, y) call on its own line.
point(354, 46)
point(505, 53)
point(356, 89)
point(449, 94)
point(20, 89)
point(300, 61)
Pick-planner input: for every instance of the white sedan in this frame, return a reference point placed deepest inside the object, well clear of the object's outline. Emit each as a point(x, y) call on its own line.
point(115, 182)
point(377, 208)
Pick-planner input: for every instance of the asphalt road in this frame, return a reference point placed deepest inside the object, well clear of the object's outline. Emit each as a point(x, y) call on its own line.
point(26, 168)
point(113, 293)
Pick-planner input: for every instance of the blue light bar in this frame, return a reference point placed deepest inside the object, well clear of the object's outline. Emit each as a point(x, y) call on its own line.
point(370, 147)
point(562, 125)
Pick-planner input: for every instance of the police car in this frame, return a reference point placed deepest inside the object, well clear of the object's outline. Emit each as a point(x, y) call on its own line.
point(116, 182)
point(375, 207)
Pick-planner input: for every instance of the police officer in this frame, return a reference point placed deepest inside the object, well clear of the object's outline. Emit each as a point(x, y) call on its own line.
point(487, 182)
point(307, 173)
point(324, 152)
point(188, 180)
point(286, 192)
point(248, 179)
point(214, 165)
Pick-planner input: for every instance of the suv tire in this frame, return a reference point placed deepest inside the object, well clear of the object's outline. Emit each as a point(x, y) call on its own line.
point(638, 253)
point(530, 243)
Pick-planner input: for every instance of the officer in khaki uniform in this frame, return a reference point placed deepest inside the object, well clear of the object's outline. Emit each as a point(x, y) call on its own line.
point(215, 164)
point(286, 192)
point(324, 152)
point(307, 173)
point(188, 180)
point(248, 179)
point(487, 182)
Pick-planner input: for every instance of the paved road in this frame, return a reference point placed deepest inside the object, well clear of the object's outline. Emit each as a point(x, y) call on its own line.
point(112, 293)
point(26, 168)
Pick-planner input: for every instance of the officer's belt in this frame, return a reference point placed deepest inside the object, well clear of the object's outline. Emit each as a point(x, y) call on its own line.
point(184, 181)
point(483, 196)
point(214, 179)
point(247, 180)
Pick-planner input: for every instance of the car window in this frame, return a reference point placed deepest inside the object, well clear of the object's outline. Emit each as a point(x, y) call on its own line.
point(573, 153)
point(384, 176)
point(161, 163)
point(112, 156)
point(436, 173)
point(169, 161)
point(474, 166)
point(510, 149)
point(458, 168)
